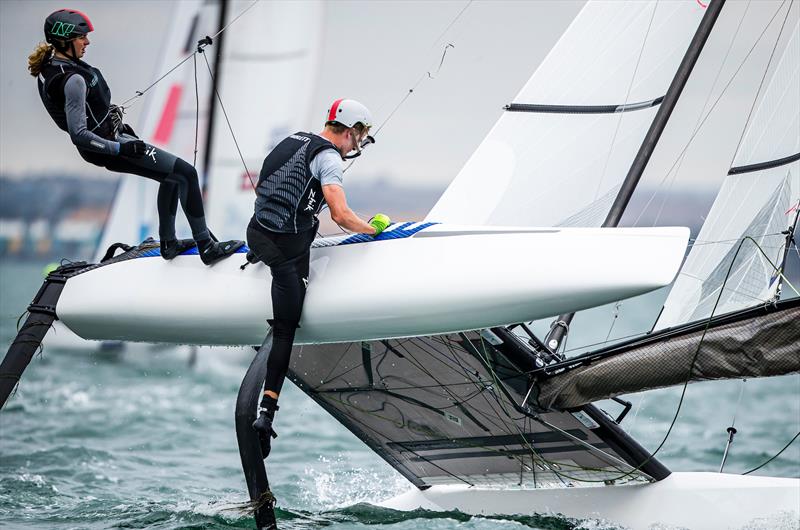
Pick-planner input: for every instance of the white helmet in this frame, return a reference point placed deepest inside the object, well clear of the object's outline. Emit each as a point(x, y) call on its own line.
point(348, 112)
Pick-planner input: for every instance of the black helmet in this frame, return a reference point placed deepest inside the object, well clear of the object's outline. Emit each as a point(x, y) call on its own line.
point(66, 24)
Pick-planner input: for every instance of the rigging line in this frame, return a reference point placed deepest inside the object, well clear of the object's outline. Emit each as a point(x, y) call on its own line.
point(761, 83)
point(539, 420)
point(449, 393)
point(613, 321)
point(774, 456)
point(230, 128)
point(338, 362)
point(692, 364)
point(248, 8)
point(427, 73)
point(543, 422)
point(328, 378)
point(738, 403)
point(140, 93)
point(502, 427)
point(381, 435)
point(441, 62)
point(627, 97)
point(196, 111)
point(714, 105)
point(705, 105)
point(524, 441)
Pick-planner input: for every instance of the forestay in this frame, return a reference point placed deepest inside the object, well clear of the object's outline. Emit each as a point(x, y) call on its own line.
point(758, 199)
point(562, 166)
point(266, 81)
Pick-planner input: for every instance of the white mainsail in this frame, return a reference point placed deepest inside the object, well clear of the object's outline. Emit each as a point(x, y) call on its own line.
point(564, 169)
point(267, 78)
point(759, 204)
point(565, 166)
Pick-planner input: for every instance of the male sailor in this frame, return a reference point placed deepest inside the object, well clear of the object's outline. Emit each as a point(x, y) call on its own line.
point(301, 175)
point(77, 97)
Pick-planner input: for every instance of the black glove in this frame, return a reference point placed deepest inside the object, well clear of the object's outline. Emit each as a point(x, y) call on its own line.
point(135, 149)
point(127, 129)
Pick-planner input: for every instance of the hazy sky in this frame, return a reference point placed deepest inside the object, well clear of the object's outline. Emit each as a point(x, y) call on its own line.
point(372, 51)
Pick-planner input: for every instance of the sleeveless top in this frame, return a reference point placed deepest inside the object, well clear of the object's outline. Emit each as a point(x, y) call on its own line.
point(288, 196)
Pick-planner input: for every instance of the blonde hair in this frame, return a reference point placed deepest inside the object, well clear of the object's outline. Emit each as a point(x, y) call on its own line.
point(40, 54)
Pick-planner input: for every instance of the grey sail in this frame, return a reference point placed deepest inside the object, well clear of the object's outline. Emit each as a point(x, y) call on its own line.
point(759, 342)
point(451, 410)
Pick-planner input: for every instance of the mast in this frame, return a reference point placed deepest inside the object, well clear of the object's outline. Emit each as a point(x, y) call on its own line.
point(560, 327)
point(220, 44)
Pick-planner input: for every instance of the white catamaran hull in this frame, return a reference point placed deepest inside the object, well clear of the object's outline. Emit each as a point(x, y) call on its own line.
point(414, 280)
point(700, 501)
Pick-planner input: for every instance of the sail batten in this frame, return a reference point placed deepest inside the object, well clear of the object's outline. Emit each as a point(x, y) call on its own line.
point(583, 109)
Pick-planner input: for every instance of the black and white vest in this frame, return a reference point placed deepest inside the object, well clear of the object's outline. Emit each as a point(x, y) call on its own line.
point(51, 81)
point(288, 196)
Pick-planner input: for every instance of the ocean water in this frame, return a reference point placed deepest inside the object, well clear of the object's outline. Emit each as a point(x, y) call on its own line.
point(142, 439)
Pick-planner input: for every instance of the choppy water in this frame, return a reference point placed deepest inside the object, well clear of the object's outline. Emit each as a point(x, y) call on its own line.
point(141, 440)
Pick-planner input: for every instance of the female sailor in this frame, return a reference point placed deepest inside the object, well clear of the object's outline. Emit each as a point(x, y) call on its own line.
point(78, 99)
point(298, 177)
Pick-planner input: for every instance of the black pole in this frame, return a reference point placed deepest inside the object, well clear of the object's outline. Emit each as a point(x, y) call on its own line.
point(41, 314)
point(255, 473)
point(219, 47)
point(557, 333)
point(791, 237)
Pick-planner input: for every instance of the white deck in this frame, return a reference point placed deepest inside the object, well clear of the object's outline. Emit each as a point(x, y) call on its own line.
point(699, 501)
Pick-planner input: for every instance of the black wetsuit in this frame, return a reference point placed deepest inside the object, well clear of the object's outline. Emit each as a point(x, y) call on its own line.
point(78, 99)
point(288, 199)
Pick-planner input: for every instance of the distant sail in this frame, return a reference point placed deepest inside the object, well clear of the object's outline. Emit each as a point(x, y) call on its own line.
point(266, 81)
point(167, 120)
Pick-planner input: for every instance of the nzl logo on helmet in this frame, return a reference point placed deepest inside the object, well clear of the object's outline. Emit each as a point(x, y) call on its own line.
point(60, 29)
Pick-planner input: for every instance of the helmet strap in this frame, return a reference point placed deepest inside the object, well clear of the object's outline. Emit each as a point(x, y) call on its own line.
point(66, 48)
point(360, 147)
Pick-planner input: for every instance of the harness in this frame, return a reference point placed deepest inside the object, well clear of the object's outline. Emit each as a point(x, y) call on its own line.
point(99, 113)
point(288, 196)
